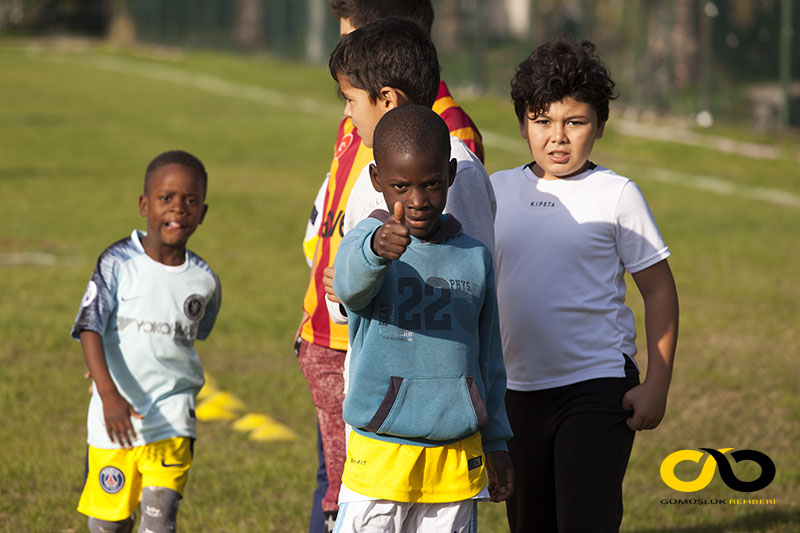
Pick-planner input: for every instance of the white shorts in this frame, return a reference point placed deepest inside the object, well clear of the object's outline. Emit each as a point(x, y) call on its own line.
point(384, 516)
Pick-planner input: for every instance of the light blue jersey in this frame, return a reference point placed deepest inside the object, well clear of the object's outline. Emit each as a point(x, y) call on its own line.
point(149, 315)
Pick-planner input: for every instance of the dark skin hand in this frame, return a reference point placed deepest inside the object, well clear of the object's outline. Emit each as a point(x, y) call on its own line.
point(501, 475)
point(391, 240)
point(116, 410)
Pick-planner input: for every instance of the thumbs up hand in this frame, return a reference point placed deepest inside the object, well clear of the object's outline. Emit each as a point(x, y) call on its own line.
point(399, 213)
point(391, 240)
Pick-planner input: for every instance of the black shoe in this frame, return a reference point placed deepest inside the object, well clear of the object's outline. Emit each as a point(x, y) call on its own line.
point(330, 520)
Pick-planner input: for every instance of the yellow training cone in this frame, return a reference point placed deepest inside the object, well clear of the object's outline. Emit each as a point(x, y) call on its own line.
point(225, 400)
point(251, 421)
point(272, 431)
point(212, 411)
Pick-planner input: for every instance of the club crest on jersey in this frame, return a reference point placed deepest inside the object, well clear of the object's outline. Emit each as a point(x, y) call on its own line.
point(343, 145)
point(194, 306)
point(90, 294)
point(112, 479)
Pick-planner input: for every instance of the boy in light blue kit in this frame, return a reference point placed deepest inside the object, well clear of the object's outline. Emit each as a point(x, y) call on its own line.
point(148, 299)
point(427, 380)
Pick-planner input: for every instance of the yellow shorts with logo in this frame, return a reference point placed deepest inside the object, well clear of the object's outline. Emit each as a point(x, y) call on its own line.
point(423, 474)
point(115, 478)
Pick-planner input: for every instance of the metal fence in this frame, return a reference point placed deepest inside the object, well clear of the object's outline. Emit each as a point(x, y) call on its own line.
point(735, 59)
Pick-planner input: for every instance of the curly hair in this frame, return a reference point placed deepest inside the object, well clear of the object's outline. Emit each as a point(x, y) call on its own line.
point(389, 52)
point(560, 69)
point(361, 12)
point(176, 156)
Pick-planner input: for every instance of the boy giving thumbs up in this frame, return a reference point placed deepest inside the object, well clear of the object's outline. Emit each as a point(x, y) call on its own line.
point(426, 376)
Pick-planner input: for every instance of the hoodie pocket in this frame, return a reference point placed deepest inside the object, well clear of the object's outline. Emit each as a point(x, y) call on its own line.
point(432, 408)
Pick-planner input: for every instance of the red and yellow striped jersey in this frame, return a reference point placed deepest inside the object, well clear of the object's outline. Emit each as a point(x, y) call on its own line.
point(458, 122)
point(349, 158)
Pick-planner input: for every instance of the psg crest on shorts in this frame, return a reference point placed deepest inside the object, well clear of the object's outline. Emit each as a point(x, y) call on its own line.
point(194, 306)
point(112, 479)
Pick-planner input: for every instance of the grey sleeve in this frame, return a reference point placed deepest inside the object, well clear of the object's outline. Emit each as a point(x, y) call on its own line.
point(471, 200)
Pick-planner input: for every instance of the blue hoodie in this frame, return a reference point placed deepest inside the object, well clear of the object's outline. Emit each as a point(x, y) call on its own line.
point(427, 366)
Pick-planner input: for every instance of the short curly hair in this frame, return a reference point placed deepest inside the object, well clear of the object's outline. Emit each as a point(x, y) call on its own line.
point(176, 156)
point(560, 69)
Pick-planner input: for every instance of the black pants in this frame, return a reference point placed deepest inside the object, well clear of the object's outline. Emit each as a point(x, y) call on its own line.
point(570, 451)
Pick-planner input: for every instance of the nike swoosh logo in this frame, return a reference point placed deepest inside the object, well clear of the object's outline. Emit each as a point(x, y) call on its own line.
point(170, 464)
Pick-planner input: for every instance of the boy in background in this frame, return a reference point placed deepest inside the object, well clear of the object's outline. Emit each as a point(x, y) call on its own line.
point(566, 232)
point(425, 399)
point(352, 14)
point(148, 299)
point(320, 342)
point(386, 64)
point(381, 66)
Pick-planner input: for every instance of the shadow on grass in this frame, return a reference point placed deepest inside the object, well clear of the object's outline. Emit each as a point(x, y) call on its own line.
point(778, 520)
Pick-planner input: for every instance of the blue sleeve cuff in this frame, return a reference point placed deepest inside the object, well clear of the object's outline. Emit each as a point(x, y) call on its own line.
point(497, 445)
point(371, 257)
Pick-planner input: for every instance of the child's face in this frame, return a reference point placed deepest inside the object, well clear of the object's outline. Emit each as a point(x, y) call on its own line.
point(420, 182)
point(364, 113)
point(561, 138)
point(173, 205)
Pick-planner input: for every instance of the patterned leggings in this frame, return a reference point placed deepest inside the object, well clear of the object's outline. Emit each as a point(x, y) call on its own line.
point(324, 370)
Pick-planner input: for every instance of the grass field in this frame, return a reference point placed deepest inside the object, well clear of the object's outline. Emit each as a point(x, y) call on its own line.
point(78, 124)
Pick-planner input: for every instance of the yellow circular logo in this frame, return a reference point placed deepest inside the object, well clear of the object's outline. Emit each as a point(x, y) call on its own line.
point(696, 456)
point(711, 460)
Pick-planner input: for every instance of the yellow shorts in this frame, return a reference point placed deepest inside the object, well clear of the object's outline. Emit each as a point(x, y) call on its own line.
point(421, 474)
point(114, 478)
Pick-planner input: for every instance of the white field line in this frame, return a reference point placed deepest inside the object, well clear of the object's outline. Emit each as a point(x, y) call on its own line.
point(35, 259)
point(203, 82)
point(720, 144)
point(725, 188)
point(693, 181)
point(514, 145)
point(27, 258)
point(258, 94)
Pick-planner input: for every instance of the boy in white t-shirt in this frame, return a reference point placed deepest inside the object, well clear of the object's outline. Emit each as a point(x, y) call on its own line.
point(566, 231)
